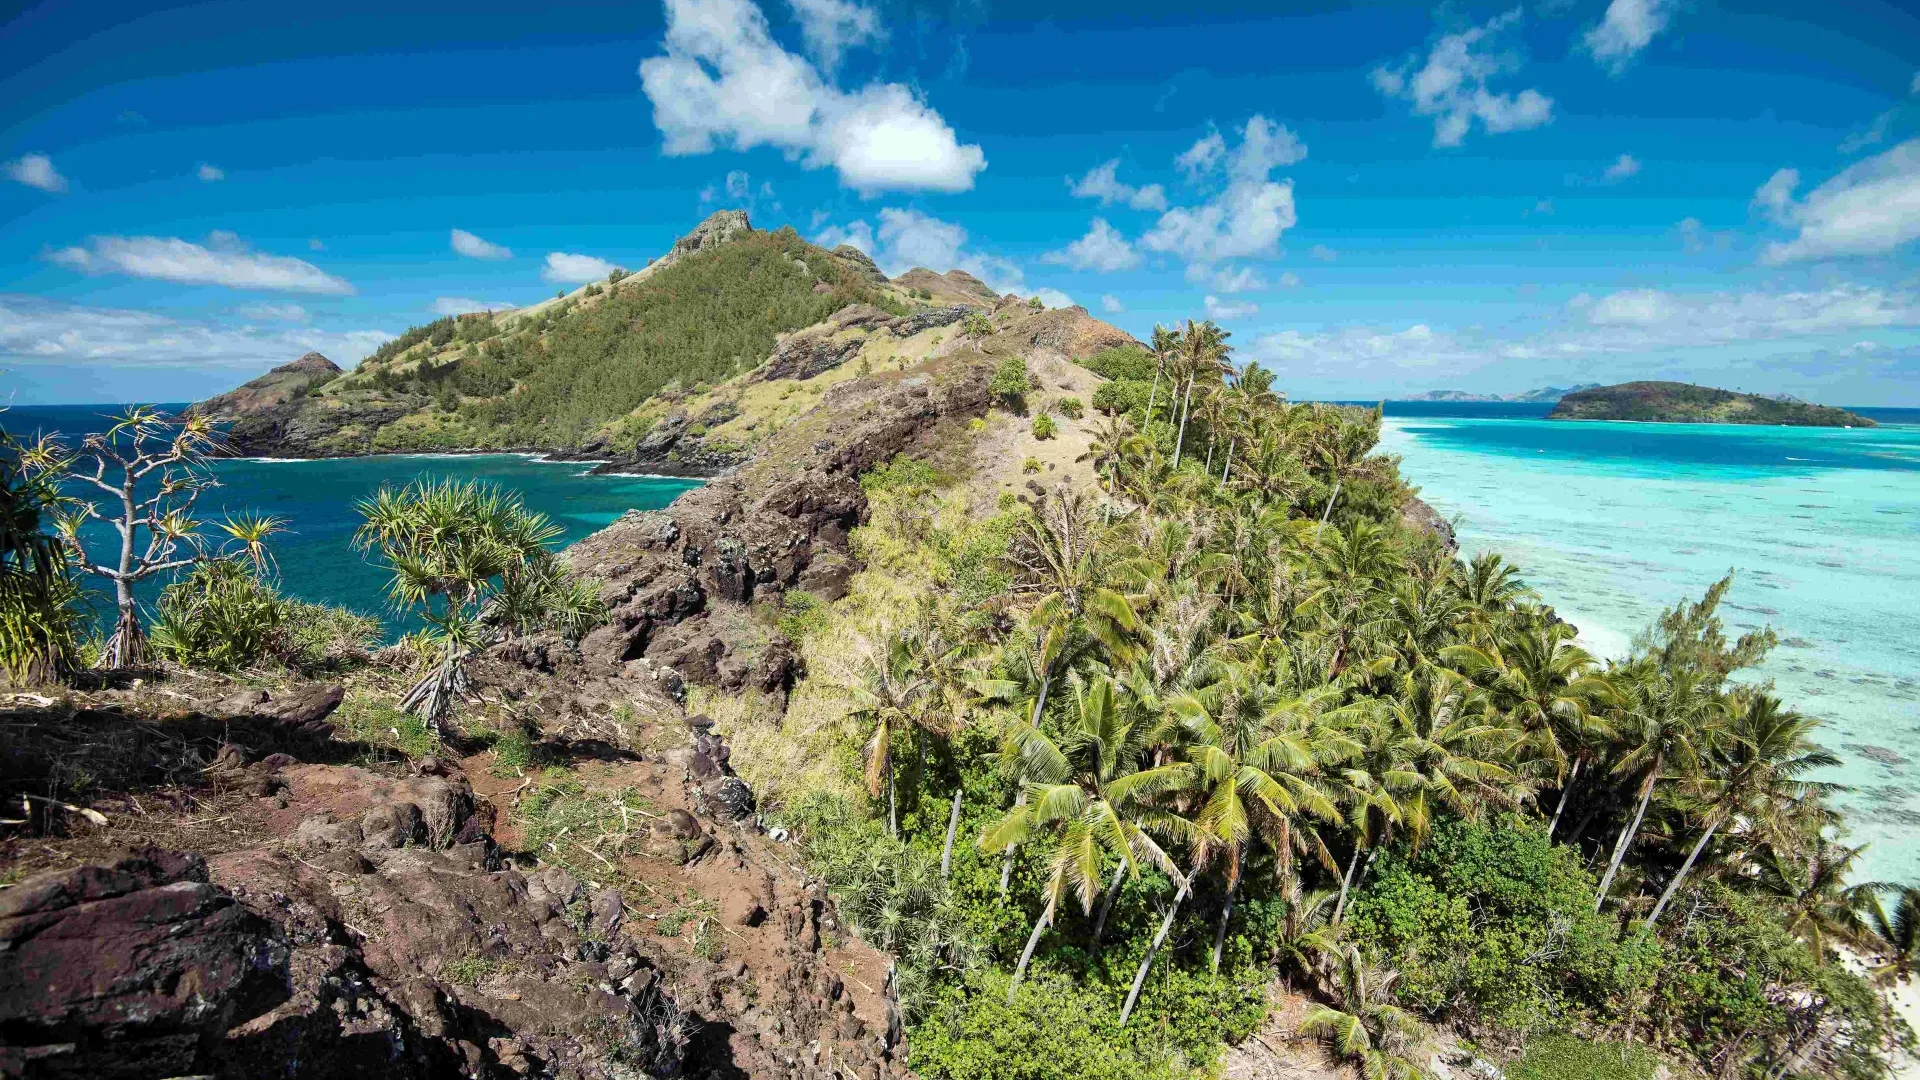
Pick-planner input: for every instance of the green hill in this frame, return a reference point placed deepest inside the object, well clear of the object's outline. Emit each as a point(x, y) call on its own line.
point(1684, 403)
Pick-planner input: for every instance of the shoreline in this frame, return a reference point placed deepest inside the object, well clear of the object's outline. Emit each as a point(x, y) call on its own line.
point(599, 466)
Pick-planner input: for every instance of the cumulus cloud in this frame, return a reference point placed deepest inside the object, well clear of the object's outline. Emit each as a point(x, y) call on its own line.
point(1451, 86)
point(1870, 208)
point(1103, 249)
point(1229, 279)
point(473, 247)
point(830, 27)
point(724, 81)
point(569, 269)
point(1289, 280)
point(1627, 27)
point(1111, 304)
point(1248, 216)
point(37, 331)
point(908, 238)
point(223, 261)
point(1323, 253)
point(1623, 166)
point(1222, 310)
point(1652, 318)
point(1102, 182)
point(36, 170)
point(1053, 298)
point(1350, 352)
point(460, 305)
point(211, 173)
point(1200, 158)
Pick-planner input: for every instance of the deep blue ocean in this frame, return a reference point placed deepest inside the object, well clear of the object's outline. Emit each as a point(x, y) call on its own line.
point(317, 498)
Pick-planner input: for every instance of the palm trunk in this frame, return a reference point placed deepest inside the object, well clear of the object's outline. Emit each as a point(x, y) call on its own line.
point(1674, 885)
point(1626, 838)
point(1208, 471)
point(1573, 777)
point(953, 823)
point(1106, 905)
point(128, 646)
point(1186, 410)
point(1328, 513)
point(1039, 927)
point(1346, 884)
point(893, 809)
point(1159, 939)
point(1228, 471)
point(1154, 393)
point(1039, 705)
point(1220, 935)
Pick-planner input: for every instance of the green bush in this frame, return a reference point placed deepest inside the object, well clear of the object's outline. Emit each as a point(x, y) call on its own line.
point(802, 613)
point(1564, 1057)
point(1070, 407)
point(900, 474)
point(1492, 919)
point(1044, 427)
point(1122, 362)
point(1010, 381)
point(220, 616)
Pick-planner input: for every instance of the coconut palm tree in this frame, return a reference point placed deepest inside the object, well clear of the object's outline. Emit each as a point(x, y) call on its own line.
point(1815, 902)
point(1364, 1026)
point(1203, 356)
point(1896, 934)
point(1086, 798)
point(1667, 720)
point(1765, 753)
point(1166, 346)
point(882, 679)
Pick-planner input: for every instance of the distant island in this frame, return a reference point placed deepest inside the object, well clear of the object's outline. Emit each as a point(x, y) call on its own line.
point(1684, 403)
point(1542, 394)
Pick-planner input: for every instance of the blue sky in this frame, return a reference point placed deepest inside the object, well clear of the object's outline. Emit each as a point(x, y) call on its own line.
point(1376, 199)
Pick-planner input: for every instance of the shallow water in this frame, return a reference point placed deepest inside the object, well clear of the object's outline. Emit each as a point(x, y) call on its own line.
point(1613, 522)
point(315, 556)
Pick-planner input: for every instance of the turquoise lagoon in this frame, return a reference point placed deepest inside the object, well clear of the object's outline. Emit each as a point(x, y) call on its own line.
point(317, 498)
point(1611, 522)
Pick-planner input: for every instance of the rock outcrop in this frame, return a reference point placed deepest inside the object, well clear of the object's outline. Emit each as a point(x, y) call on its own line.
point(678, 581)
point(277, 387)
point(952, 287)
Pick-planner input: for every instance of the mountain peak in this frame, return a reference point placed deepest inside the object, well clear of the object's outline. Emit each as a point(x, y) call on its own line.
point(720, 227)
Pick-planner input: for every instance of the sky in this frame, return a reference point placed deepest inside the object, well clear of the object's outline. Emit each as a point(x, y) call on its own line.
point(1376, 199)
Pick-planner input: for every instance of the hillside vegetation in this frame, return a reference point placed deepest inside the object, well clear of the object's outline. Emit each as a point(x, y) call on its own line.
point(1684, 403)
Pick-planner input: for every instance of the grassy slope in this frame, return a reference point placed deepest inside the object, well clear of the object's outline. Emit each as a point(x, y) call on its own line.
point(584, 372)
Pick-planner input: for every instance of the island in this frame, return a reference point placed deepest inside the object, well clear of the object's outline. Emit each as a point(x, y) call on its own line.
point(1541, 394)
point(1684, 403)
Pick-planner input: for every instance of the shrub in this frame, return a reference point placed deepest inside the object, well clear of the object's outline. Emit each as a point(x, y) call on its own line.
point(1564, 1057)
point(616, 276)
point(1034, 303)
point(1030, 466)
point(1010, 381)
point(221, 615)
point(976, 325)
point(1121, 362)
point(1044, 426)
point(802, 613)
point(901, 473)
point(1070, 407)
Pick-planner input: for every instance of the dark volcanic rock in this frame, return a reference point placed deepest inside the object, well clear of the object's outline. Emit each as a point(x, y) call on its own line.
point(276, 387)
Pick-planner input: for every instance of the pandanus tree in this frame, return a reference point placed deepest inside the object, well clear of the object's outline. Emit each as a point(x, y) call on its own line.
point(1757, 770)
point(151, 468)
point(39, 623)
point(473, 563)
point(1088, 800)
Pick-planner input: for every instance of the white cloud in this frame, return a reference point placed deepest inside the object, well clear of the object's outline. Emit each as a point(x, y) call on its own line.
point(293, 313)
point(37, 331)
point(1775, 197)
point(1200, 158)
point(1230, 279)
point(1289, 280)
point(1695, 237)
point(1624, 166)
point(1053, 298)
point(1249, 216)
point(1651, 318)
point(1323, 253)
point(460, 305)
point(908, 238)
point(1874, 134)
point(724, 81)
point(1221, 310)
point(566, 268)
point(830, 27)
point(1103, 183)
point(211, 173)
point(1452, 88)
point(473, 247)
point(1103, 249)
point(1111, 304)
point(224, 262)
point(1358, 352)
point(1870, 208)
point(36, 170)
point(315, 245)
point(1627, 27)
